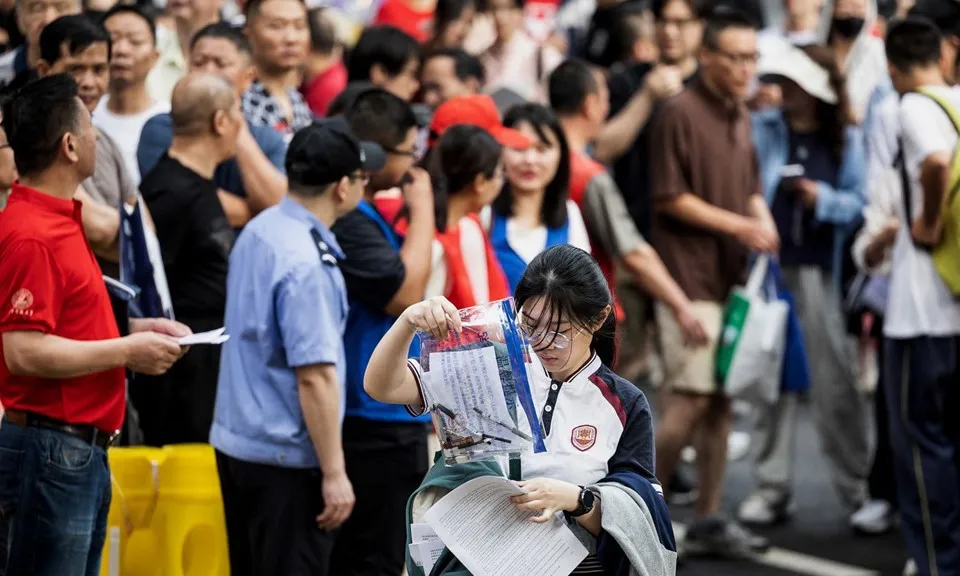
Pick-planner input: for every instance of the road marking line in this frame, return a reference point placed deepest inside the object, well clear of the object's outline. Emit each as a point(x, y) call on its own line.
point(797, 562)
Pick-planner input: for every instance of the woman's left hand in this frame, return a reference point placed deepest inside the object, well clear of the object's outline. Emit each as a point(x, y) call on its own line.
point(547, 496)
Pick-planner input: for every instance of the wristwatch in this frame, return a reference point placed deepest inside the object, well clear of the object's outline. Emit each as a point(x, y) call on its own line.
point(588, 497)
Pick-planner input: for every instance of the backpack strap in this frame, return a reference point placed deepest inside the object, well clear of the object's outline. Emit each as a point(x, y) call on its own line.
point(954, 115)
point(944, 104)
point(907, 193)
point(540, 62)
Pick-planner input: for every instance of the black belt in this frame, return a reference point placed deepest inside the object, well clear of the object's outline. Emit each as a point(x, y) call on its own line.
point(85, 432)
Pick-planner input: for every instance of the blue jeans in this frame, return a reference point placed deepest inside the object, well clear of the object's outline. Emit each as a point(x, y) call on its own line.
point(54, 499)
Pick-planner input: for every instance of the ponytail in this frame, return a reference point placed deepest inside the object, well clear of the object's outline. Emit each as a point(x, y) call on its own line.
point(606, 342)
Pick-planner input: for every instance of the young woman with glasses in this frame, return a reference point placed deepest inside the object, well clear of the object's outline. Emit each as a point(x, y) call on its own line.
point(598, 428)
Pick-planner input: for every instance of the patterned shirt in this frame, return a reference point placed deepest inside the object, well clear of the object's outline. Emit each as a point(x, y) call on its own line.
point(262, 109)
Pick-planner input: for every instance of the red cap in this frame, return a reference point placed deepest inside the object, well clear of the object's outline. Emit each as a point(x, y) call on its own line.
point(476, 110)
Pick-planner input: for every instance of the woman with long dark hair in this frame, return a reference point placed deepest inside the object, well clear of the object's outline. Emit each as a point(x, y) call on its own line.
point(466, 173)
point(598, 428)
point(812, 164)
point(533, 211)
point(452, 20)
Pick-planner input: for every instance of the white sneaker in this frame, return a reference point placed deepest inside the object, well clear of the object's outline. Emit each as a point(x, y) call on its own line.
point(874, 517)
point(762, 508)
point(738, 446)
point(910, 569)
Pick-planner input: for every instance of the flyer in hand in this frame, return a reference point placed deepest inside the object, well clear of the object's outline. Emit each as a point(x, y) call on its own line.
point(477, 389)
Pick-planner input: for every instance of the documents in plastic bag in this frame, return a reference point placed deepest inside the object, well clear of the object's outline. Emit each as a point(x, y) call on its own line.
point(491, 537)
point(477, 389)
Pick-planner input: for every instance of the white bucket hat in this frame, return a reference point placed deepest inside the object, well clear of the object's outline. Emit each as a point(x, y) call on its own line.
point(788, 61)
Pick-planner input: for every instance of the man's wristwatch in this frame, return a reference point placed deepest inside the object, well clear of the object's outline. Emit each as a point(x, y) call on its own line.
point(588, 498)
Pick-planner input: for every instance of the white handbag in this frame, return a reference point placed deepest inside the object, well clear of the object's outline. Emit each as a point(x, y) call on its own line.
point(755, 370)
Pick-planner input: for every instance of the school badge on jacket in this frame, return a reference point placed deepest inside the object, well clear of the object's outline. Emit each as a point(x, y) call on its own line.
point(584, 437)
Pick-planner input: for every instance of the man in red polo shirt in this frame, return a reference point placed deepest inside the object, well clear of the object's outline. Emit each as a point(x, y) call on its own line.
point(62, 374)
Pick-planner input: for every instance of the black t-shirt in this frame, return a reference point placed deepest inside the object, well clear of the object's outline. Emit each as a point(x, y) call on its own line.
point(195, 237)
point(631, 171)
point(372, 269)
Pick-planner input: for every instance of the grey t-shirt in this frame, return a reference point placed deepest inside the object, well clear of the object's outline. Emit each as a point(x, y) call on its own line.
point(110, 185)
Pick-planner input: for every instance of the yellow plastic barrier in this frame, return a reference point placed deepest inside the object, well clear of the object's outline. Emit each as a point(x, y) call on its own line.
point(135, 477)
point(190, 516)
point(166, 518)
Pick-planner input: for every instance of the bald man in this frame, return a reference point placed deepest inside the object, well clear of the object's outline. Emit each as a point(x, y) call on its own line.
point(195, 240)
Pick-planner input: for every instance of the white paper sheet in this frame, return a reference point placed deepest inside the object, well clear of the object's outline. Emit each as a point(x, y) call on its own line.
point(422, 533)
point(415, 554)
point(429, 553)
point(462, 380)
point(212, 337)
point(487, 533)
point(426, 546)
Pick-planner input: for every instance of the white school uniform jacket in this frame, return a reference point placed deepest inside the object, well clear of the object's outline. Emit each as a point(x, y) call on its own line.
point(599, 432)
point(595, 423)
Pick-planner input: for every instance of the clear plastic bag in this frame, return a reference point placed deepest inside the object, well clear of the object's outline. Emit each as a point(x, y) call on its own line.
point(477, 389)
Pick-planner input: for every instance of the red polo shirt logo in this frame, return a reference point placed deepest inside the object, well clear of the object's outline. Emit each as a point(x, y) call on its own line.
point(22, 299)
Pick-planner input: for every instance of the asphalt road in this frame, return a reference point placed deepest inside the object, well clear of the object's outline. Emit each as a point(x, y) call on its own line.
point(817, 540)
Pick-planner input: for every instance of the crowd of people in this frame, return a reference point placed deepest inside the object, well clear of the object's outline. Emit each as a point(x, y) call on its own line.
point(323, 181)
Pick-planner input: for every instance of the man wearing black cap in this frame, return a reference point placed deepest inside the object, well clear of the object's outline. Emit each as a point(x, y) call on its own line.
point(280, 402)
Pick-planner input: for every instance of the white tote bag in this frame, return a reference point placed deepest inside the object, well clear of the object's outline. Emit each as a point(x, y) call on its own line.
point(755, 371)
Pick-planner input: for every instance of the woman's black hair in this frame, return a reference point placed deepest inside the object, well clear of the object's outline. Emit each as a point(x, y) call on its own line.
point(484, 5)
point(446, 13)
point(553, 211)
point(833, 118)
point(455, 161)
point(573, 286)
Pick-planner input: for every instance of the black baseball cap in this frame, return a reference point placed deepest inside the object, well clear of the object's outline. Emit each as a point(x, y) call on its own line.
point(944, 13)
point(326, 151)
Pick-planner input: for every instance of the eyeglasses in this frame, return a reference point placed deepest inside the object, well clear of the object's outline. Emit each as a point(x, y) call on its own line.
point(407, 153)
point(548, 338)
point(738, 59)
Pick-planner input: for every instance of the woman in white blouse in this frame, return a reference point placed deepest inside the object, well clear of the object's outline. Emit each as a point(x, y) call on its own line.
point(534, 212)
point(516, 61)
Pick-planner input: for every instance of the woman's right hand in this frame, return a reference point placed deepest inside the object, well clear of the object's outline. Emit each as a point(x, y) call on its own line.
point(435, 316)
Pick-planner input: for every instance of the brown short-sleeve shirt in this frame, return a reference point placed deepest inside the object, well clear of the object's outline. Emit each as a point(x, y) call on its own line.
point(702, 146)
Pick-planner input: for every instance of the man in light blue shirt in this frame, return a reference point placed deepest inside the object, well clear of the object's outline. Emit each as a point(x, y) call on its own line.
point(279, 402)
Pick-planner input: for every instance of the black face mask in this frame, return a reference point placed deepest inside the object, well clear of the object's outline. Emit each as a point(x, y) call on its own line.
point(848, 27)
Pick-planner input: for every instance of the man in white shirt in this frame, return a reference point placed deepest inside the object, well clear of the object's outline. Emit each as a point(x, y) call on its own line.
point(128, 105)
point(922, 322)
point(173, 43)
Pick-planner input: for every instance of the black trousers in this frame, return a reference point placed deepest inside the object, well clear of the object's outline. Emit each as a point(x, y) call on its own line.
point(923, 403)
point(177, 407)
point(385, 462)
point(881, 481)
point(271, 519)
